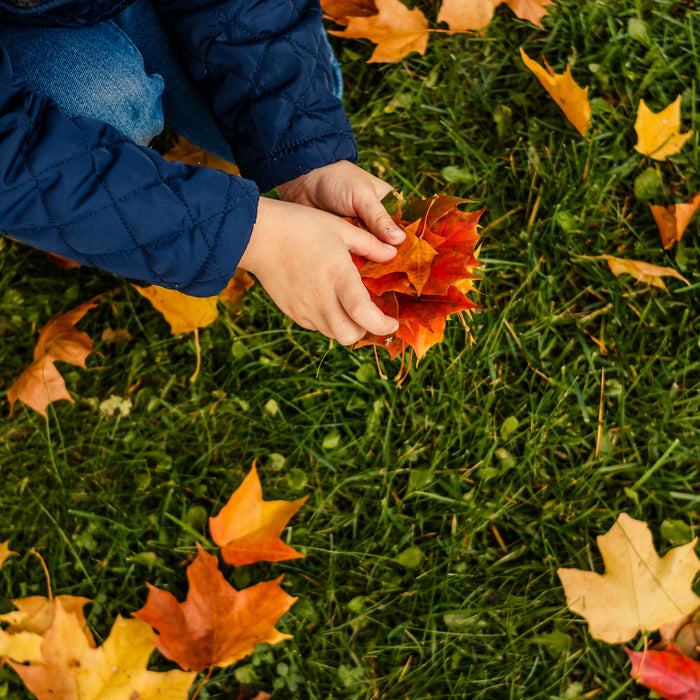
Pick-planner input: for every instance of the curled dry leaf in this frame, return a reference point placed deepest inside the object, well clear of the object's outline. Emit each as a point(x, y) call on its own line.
point(669, 673)
point(639, 591)
point(248, 529)
point(41, 383)
point(642, 271)
point(658, 133)
point(396, 30)
point(572, 99)
point(672, 221)
point(216, 625)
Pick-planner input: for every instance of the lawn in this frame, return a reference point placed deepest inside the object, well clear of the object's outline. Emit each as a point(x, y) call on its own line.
point(440, 510)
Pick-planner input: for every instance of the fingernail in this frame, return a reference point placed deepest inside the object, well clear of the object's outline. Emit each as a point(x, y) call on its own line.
point(395, 233)
point(394, 327)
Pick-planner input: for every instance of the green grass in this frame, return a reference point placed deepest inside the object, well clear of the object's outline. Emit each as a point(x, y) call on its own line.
point(485, 472)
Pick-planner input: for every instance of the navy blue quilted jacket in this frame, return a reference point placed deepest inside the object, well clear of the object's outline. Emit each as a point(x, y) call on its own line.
point(79, 188)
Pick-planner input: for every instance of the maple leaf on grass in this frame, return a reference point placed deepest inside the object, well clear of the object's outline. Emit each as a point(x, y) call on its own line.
point(340, 11)
point(216, 625)
point(73, 668)
point(571, 98)
point(658, 133)
point(530, 10)
point(186, 313)
point(6, 552)
point(672, 221)
point(59, 340)
point(642, 271)
point(248, 529)
point(396, 30)
point(639, 591)
point(669, 673)
point(467, 15)
point(429, 277)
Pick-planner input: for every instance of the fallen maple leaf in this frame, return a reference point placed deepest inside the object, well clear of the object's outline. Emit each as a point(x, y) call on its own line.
point(658, 133)
point(396, 30)
point(62, 262)
point(41, 383)
point(248, 529)
point(530, 10)
point(6, 552)
point(642, 271)
point(673, 220)
point(668, 673)
point(467, 15)
point(182, 312)
point(340, 11)
point(188, 153)
point(36, 613)
point(73, 669)
point(572, 99)
point(216, 625)
point(238, 285)
point(638, 591)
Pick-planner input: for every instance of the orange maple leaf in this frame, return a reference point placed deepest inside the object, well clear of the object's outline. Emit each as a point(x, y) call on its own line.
point(396, 30)
point(530, 10)
point(425, 282)
point(673, 220)
point(216, 625)
point(248, 529)
point(41, 383)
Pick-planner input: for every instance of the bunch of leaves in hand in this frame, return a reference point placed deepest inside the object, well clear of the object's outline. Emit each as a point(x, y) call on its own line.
point(429, 278)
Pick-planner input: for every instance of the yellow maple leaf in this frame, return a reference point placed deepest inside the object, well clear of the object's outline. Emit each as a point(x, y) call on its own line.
point(673, 220)
point(396, 30)
point(183, 312)
point(658, 133)
point(73, 669)
point(642, 271)
point(639, 591)
point(5, 551)
point(571, 98)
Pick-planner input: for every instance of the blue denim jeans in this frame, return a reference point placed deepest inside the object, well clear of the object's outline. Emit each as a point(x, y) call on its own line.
point(123, 71)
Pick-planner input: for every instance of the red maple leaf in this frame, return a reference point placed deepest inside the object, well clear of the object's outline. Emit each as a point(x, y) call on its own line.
point(669, 673)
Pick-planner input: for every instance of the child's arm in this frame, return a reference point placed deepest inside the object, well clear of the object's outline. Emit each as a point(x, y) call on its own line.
point(302, 258)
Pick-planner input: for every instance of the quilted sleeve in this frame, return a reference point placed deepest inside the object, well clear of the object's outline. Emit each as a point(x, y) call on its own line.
point(265, 69)
point(78, 188)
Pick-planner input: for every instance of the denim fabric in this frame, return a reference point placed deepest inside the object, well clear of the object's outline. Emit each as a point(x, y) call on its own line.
point(125, 72)
point(92, 72)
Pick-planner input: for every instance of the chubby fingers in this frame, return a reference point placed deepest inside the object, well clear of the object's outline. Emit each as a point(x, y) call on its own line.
point(361, 310)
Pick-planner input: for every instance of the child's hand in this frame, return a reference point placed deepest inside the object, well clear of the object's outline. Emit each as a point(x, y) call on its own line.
point(302, 258)
point(345, 189)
